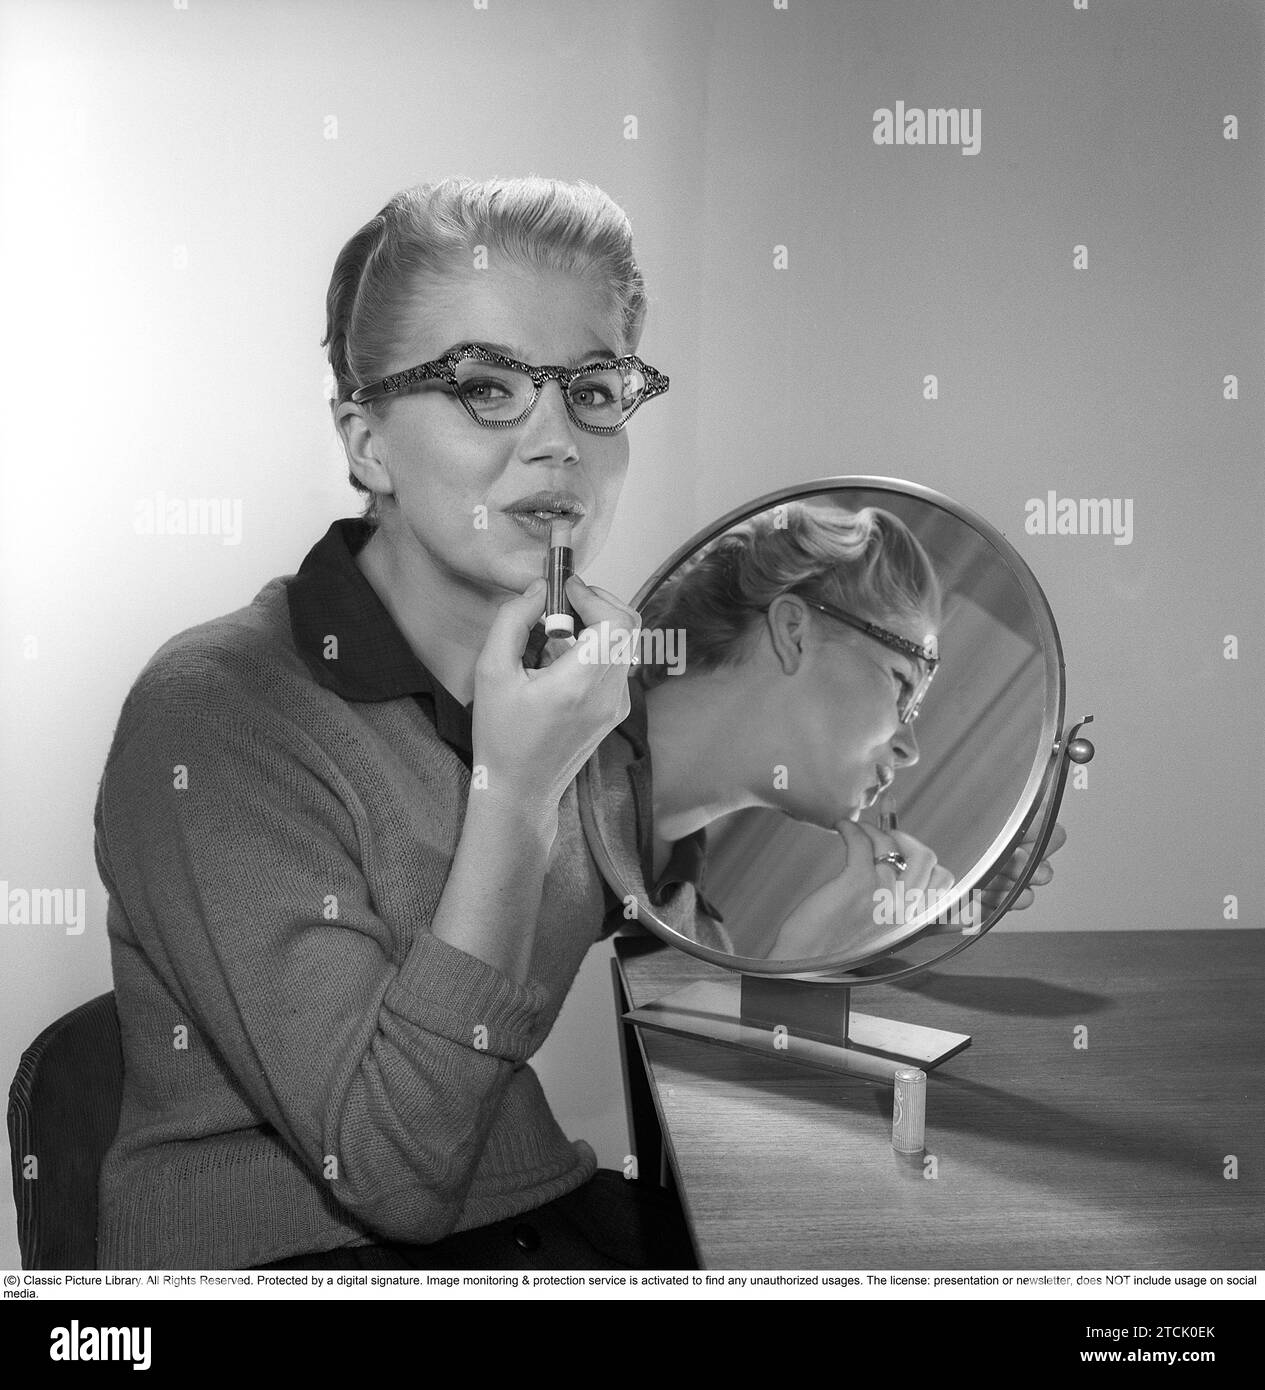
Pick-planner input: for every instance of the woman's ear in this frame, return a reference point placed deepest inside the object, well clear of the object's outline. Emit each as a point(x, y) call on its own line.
point(786, 623)
point(362, 444)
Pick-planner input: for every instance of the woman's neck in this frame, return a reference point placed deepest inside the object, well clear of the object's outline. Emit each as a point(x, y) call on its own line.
point(694, 726)
point(444, 623)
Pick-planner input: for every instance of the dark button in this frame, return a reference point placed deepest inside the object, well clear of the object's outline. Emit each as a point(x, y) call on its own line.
point(526, 1237)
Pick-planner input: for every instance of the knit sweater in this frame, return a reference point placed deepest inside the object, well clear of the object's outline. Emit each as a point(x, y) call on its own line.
point(306, 1066)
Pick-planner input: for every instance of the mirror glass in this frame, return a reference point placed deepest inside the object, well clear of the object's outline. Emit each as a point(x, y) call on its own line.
point(828, 655)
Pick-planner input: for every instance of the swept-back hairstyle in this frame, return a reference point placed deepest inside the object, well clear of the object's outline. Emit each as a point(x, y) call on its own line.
point(868, 563)
point(378, 288)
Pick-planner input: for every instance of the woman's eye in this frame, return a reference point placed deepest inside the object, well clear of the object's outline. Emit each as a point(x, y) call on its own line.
point(484, 389)
point(904, 687)
point(592, 394)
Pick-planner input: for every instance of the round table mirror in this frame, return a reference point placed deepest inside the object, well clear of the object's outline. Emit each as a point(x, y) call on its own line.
point(847, 714)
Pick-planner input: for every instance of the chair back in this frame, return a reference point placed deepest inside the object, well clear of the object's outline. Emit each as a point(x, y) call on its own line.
point(63, 1113)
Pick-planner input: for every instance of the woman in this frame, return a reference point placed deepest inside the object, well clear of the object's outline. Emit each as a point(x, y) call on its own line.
point(348, 887)
point(810, 642)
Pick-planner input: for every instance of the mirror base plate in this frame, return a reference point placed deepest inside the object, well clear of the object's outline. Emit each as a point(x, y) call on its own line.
point(874, 1048)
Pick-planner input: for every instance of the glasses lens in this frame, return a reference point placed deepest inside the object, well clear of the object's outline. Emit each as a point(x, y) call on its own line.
point(493, 392)
point(607, 396)
point(912, 705)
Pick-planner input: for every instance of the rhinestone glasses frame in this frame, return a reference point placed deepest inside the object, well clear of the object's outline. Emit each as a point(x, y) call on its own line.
point(445, 369)
point(895, 642)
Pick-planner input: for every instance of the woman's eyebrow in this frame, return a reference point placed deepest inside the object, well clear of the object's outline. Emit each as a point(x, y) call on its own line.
point(905, 665)
point(915, 666)
point(509, 350)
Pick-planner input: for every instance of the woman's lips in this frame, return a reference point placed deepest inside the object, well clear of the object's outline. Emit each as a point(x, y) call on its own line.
point(538, 523)
point(863, 802)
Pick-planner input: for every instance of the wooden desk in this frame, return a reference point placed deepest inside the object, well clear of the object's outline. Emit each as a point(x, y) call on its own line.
point(1047, 1156)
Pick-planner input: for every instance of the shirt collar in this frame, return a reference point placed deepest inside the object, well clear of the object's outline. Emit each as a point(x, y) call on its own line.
point(352, 645)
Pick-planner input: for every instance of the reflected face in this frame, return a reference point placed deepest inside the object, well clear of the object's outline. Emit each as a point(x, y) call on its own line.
point(844, 740)
point(468, 494)
point(808, 706)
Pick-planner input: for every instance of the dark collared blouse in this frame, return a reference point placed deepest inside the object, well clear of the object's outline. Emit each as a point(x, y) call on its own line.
point(330, 593)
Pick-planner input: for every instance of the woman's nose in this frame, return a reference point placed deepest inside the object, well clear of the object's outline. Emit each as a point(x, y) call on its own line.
point(549, 432)
point(905, 745)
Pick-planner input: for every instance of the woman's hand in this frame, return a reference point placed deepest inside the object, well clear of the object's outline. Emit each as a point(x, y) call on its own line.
point(857, 902)
point(534, 729)
point(1004, 879)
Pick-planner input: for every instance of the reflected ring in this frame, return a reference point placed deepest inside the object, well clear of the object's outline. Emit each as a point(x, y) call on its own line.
point(895, 858)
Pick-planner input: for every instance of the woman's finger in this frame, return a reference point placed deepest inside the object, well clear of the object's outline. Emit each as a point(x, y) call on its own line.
point(1058, 838)
point(604, 594)
point(920, 860)
point(941, 880)
point(595, 605)
point(858, 844)
point(507, 637)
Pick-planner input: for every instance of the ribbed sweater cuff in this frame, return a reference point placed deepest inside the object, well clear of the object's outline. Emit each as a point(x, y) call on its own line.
point(459, 997)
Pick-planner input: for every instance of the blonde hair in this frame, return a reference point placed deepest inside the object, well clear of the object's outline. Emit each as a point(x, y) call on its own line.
point(435, 229)
point(868, 562)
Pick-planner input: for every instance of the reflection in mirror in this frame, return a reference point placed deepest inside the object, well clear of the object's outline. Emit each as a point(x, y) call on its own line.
point(852, 656)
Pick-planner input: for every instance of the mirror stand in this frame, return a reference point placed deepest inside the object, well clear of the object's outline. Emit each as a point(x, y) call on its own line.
point(799, 1021)
point(812, 1021)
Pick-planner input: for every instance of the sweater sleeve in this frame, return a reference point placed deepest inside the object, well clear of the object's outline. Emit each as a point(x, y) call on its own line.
point(234, 847)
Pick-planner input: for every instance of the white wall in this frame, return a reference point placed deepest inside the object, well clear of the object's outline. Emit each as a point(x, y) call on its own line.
point(172, 204)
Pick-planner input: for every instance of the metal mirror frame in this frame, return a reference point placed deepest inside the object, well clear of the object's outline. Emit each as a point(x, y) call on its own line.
point(1044, 783)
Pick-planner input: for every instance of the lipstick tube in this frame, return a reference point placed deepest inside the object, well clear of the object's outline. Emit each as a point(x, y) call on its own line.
point(559, 561)
point(909, 1110)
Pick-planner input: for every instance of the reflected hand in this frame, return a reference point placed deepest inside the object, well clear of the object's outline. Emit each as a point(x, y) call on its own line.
point(849, 905)
point(1005, 878)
